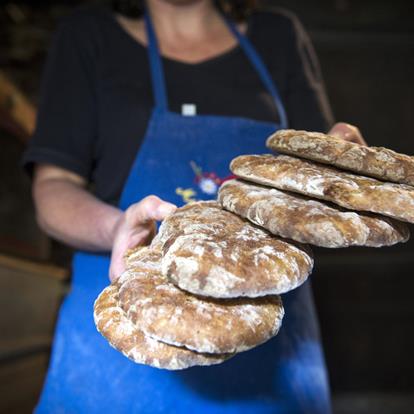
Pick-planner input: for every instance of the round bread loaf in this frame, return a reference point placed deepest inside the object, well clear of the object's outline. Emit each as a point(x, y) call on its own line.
point(382, 163)
point(166, 313)
point(327, 183)
point(309, 221)
point(112, 322)
point(211, 252)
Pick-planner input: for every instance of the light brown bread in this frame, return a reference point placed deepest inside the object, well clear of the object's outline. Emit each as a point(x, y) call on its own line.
point(211, 252)
point(139, 254)
point(309, 221)
point(350, 191)
point(170, 315)
point(379, 162)
point(112, 322)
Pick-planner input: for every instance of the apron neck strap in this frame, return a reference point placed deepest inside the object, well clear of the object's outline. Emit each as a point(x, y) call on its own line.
point(261, 70)
point(158, 78)
point(157, 73)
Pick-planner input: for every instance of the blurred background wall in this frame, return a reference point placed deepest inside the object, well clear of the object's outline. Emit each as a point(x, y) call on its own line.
point(364, 296)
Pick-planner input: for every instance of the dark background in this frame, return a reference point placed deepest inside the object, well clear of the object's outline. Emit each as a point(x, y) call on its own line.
point(364, 296)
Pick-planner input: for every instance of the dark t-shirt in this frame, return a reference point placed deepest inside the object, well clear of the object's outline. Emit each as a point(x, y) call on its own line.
point(96, 95)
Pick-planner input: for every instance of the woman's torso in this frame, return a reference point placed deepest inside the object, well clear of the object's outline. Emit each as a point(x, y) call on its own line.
point(112, 104)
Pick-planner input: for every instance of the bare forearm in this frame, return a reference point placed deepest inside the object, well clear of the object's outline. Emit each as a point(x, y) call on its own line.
point(69, 213)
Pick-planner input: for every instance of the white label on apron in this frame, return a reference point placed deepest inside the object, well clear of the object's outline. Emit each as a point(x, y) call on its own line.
point(188, 109)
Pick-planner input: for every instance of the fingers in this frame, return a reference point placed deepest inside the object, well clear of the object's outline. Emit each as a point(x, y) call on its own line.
point(128, 239)
point(347, 132)
point(136, 227)
point(117, 267)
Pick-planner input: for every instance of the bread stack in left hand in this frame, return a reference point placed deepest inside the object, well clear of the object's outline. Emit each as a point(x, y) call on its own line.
point(334, 205)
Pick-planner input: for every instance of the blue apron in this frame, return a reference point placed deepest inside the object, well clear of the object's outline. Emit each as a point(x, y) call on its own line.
point(184, 158)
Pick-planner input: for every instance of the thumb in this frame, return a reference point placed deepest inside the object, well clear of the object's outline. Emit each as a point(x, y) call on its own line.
point(148, 209)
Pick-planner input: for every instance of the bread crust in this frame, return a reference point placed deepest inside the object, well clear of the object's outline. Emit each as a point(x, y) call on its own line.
point(309, 221)
point(170, 315)
point(211, 252)
point(112, 322)
point(378, 162)
point(350, 191)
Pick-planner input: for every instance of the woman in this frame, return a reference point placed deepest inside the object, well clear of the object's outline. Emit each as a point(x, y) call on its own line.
point(139, 115)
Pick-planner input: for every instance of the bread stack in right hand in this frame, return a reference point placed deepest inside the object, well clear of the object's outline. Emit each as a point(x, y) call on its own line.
point(205, 289)
point(312, 196)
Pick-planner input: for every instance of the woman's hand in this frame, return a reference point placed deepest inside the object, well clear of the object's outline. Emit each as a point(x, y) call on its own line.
point(136, 227)
point(347, 132)
point(76, 217)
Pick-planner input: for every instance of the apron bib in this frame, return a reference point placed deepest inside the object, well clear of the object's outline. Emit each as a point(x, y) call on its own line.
point(185, 158)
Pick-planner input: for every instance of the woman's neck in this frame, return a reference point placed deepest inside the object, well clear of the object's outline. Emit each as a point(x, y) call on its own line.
point(184, 19)
point(189, 31)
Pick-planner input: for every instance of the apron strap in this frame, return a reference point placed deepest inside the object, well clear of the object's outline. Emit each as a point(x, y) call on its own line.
point(157, 73)
point(261, 69)
point(158, 79)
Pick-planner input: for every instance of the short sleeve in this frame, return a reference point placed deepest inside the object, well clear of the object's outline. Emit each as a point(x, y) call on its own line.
point(306, 100)
point(66, 122)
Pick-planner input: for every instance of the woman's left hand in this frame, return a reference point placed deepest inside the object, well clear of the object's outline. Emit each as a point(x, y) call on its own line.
point(347, 132)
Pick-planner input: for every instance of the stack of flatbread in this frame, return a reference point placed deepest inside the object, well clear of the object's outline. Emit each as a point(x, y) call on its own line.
point(323, 192)
point(208, 286)
point(205, 289)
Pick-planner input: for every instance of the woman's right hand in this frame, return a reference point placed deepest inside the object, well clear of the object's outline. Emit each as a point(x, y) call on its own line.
point(66, 211)
point(135, 227)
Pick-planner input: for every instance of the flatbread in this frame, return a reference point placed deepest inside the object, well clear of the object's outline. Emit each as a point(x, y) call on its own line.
point(211, 252)
point(112, 322)
point(327, 183)
point(166, 313)
point(309, 221)
point(138, 255)
point(379, 162)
